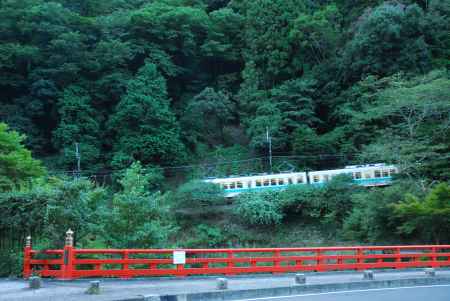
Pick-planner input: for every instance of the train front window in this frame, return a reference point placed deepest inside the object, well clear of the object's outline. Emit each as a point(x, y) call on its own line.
point(377, 174)
point(392, 171)
point(385, 173)
point(358, 175)
point(326, 178)
point(232, 185)
point(226, 186)
point(239, 185)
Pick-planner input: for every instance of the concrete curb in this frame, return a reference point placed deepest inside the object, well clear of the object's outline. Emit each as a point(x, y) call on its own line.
point(292, 290)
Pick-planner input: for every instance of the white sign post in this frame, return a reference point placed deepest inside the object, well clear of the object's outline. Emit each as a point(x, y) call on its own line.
point(179, 257)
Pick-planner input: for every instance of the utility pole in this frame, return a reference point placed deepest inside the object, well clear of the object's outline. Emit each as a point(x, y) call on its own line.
point(269, 140)
point(78, 157)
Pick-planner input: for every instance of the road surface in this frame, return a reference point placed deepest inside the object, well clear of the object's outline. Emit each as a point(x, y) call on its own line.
point(416, 293)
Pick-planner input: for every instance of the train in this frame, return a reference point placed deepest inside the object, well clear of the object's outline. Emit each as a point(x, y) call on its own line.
point(368, 175)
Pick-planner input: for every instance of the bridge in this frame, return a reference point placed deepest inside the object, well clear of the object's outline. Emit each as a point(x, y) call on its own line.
point(245, 273)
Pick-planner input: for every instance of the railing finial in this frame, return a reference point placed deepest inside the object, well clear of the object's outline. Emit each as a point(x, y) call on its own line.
point(69, 238)
point(28, 241)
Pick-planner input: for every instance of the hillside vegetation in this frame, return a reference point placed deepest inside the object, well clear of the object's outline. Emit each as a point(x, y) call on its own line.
point(158, 94)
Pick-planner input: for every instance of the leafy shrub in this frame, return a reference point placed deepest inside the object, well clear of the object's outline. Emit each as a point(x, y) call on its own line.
point(371, 217)
point(198, 193)
point(208, 236)
point(138, 218)
point(11, 263)
point(430, 217)
point(261, 208)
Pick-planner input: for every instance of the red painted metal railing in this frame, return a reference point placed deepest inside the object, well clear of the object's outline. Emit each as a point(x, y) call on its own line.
point(72, 263)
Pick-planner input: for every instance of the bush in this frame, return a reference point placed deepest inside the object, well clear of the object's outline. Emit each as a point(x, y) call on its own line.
point(198, 193)
point(138, 218)
point(208, 236)
point(430, 217)
point(11, 262)
point(371, 218)
point(261, 208)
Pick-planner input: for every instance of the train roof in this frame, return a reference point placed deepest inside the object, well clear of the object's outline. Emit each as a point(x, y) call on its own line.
point(258, 176)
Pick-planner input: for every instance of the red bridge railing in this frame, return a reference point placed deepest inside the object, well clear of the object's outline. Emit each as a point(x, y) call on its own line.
point(72, 263)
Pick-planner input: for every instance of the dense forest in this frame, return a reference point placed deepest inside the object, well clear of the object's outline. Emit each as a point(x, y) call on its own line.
point(155, 92)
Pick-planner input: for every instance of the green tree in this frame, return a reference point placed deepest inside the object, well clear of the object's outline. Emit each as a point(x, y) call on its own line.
point(429, 217)
point(17, 167)
point(206, 116)
point(145, 127)
point(412, 118)
point(137, 217)
point(387, 39)
point(78, 124)
point(316, 35)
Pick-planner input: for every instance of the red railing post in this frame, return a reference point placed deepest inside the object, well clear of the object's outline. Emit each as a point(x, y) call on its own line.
point(230, 264)
point(359, 256)
point(27, 258)
point(434, 262)
point(68, 257)
point(398, 258)
point(125, 266)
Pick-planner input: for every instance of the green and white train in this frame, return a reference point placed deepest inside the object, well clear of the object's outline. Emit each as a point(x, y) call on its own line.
point(365, 175)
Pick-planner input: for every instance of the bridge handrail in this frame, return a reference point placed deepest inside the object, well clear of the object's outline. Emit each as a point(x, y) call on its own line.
point(71, 263)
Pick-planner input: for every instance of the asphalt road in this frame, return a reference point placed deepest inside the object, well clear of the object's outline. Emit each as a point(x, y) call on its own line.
point(417, 293)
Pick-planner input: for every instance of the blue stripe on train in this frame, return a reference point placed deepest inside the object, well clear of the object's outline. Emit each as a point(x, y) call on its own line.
point(364, 182)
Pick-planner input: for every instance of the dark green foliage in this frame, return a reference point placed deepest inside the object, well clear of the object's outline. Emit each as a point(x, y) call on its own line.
point(261, 208)
point(78, 124)
point(49, 209)
point(136, 217)
point(429, 218)
point(330, 203)
point(145, 127)
point(17, 167)
point(198, 193)
point(206, 116)
point(388, 39)
point(371, 218)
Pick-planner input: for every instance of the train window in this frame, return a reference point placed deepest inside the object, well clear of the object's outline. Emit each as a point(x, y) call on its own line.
point(239, 185)
point(367, 175)
point(226, 186)
point(289, 181)
point(358, 175)
point(377, 174)
point(326, 178)
point(385, 173)
point(266, 182)
point(300, 180)
point(316, 179)
point(258, 183)
point(280, 181)
point(249, 184)
point(233, 185)
point(392, 171)
point(273, 182)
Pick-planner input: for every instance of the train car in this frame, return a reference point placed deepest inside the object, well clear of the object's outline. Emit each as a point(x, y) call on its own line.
point(365, 175)
point(235, 185)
